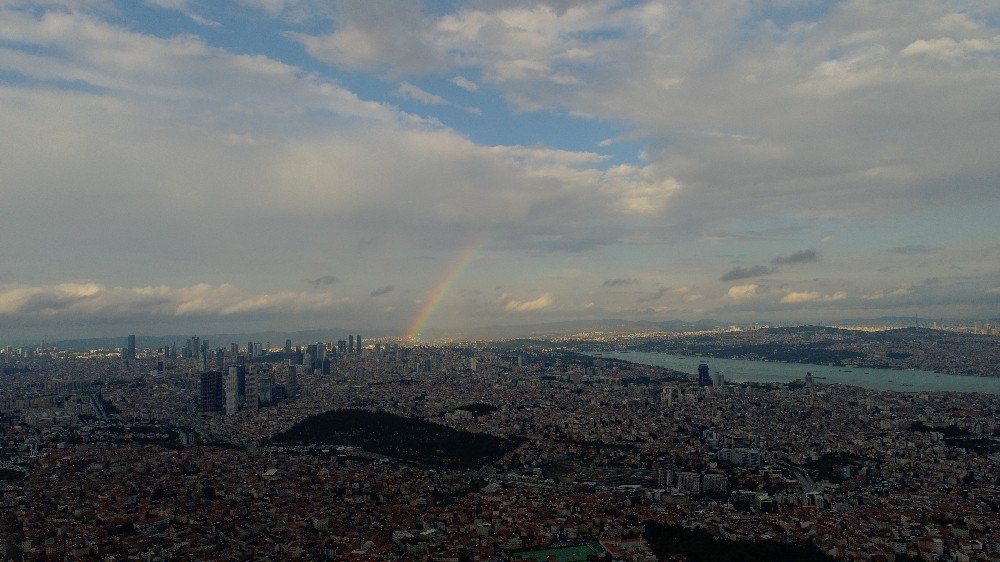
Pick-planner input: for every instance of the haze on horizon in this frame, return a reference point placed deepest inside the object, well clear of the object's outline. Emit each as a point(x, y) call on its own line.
point(175, 166)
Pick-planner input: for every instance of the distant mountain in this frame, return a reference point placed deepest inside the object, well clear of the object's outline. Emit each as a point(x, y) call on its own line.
point(277, 339)
point(612, 325)
point(892, 321)
point(300, 337)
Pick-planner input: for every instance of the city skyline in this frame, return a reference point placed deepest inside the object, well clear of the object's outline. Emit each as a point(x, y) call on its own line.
point(184, 166)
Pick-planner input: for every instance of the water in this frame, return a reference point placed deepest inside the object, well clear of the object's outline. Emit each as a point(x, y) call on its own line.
point(767, 371)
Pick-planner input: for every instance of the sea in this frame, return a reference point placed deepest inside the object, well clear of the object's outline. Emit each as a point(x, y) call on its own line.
point(740, 370)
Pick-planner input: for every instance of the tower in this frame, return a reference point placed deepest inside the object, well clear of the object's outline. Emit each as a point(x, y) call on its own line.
point(320, 355)
point(232, 391)
point(251, 389)
point(292, 385)
point(350, 344)
point(718, 379)
point(131, 346)
point(265, 384)
point(211, 391)
point(357, 344)
point(704, 379)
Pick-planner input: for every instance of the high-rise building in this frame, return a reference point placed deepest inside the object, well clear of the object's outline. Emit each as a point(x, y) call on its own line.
point(320, 355)
point(341, 347)
point(350, 344)
point(357, 344)
point(211, 395)
point(265, 386)
point(718, 379)
point(292, 385)
point(232, 391)
point(668, 395)
point(131, 346)
point(249, 350)
point(473, 364)
point(288, 347)
point(234, 351)
point(704, 379)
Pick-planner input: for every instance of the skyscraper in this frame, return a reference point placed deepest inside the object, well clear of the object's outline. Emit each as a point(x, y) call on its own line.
point(265, 386)
point(704, 378)
point(350, 344)
point(292, 385)
point(232, 391)
point(131, 346)
point(718, 379)
point(357, 344)
point(211, 393)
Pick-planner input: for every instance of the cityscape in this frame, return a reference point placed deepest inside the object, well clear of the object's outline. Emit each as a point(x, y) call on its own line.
point(371, 449)
point(520, 281)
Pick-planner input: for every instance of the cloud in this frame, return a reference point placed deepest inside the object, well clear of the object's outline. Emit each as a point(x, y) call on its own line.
point(745, 272)
point(382, 291)
point(541, 303)
point(464, 83)
point(325, 280)
point(728, 146)
point(409, 91)
point(659, 294)
point(740, 293)
point(619, 282)
point(947, 48)
point(390, 36)
point(184, 7)
point(782, 129)
point(802, 256)
point(914, 249)
point(900, 291)
point(798, 297)
point(87, 299)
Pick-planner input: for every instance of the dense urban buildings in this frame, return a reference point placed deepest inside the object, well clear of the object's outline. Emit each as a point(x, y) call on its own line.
point(478, 452)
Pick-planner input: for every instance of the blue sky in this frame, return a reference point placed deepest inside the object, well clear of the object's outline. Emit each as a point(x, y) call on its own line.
point(255, 164)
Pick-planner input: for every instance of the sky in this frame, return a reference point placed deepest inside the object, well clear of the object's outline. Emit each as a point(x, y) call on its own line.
point(193, 166)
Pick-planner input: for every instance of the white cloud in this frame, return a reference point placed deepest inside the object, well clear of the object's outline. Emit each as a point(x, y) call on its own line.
point(740, 293)
point(184, 7)
point(948, 48)
point(798, 297)
point(900, 291)
point(465, 83)
point(88, 299)
point(512, 305)
point(836, 85)
point(409, 91)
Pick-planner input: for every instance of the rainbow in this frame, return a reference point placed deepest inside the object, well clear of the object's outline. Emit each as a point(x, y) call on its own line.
point(443, 287)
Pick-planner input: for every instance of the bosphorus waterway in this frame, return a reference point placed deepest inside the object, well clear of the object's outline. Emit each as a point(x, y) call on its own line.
point(740, 370)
